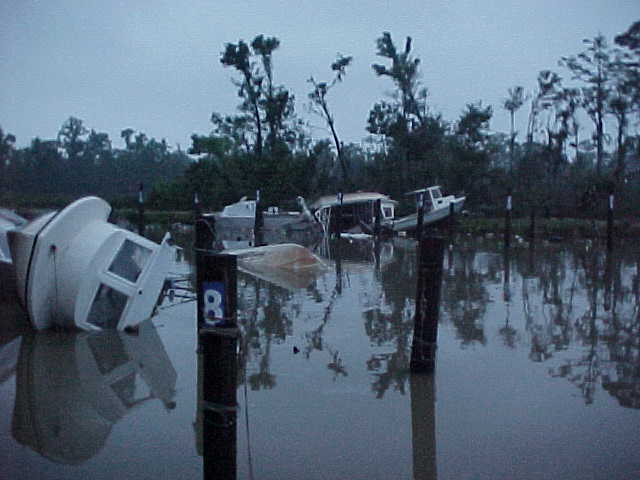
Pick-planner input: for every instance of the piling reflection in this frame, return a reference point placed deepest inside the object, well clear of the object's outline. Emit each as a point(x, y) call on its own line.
point(73, 387)
point(423, 427)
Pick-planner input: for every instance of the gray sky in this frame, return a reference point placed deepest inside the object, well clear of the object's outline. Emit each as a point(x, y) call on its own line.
point(154, 65)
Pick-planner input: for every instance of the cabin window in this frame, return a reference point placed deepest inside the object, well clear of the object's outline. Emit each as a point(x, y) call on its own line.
point(387, 212)
point(130, 261)
point(436, 193)
point(107, 307)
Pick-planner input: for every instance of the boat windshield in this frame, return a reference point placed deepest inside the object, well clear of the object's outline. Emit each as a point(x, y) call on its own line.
point(107, 307)
point(130, 261)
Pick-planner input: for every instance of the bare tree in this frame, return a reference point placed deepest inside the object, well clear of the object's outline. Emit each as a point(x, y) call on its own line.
point(320, 106)
point(512, 104)
point(592, 66)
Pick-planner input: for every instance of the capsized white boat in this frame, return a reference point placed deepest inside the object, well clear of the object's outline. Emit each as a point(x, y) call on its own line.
point(437, 207)
point(287, 265)
point(75, 269)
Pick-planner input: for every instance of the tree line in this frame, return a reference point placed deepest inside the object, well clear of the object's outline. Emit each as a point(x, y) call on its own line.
point(83, 162)
point(581, 140)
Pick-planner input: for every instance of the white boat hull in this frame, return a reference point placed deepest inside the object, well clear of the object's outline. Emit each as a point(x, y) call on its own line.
point(410, 221)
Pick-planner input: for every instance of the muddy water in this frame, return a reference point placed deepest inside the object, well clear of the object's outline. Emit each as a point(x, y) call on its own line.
point(538, 375)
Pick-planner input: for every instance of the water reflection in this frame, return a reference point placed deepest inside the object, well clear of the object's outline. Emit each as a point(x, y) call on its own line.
point(73, 387)
point(573, 307)
point(423, 427)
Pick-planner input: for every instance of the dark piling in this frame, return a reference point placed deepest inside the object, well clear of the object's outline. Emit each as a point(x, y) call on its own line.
point(218, 333)
point(425, 330)
point(141, 225)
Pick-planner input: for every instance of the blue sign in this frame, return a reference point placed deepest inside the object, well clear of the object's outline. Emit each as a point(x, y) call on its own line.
point(213, 305)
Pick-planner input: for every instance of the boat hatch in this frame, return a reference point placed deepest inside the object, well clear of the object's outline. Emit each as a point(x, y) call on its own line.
point(130, 261)
point(107, 307)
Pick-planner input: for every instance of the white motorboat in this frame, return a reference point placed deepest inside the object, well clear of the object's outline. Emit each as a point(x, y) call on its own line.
point(436, 207)
point(75, 269)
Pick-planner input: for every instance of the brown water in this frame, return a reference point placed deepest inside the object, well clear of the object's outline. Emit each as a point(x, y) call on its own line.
point(538, 376)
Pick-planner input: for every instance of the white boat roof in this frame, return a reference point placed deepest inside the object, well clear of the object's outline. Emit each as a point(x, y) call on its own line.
point(348, 198)
point(422, 190)
point(8, 217)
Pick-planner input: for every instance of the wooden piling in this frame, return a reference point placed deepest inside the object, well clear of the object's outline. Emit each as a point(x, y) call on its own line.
point(216, 275)
point(219, 407)
point(420, 199)
point(338, 217)
point(532, 224)
point(337, 258)
point(218, 347)
point(377, 217)
point(610, 220)
point(205, 233)
point(258, 224)
point(507, 222)
point(197, 208)
point(506, 290)
point(141, 226)
point(217, 342)
point(425, 330)
point(452, 220)
point(423, 426)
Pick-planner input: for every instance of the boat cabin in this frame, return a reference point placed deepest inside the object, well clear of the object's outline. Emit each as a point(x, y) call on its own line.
point(431, 197)
point(357, 210)
point(75, 269)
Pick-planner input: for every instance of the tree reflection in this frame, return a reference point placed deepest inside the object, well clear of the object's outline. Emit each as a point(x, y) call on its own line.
point(464, 293)
point(267, 317)
point(572, 306)
point(610, 342)
point(391, 322)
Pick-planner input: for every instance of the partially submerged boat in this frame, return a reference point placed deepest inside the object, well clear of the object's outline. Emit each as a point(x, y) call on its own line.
point(436, 208)
point(234, 225)
point(357, 211)
point(287, 265)
point(75, 269)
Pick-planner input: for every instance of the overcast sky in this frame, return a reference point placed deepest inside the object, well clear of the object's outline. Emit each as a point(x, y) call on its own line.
point(154, 65)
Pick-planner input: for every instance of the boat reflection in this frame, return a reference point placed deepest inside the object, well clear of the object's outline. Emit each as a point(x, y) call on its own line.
point(72, 387)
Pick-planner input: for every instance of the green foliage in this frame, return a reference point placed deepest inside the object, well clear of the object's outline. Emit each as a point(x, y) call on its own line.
point(83, 162)
point(557, 169)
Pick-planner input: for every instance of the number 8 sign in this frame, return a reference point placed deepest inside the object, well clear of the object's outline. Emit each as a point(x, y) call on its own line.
point(213, 305)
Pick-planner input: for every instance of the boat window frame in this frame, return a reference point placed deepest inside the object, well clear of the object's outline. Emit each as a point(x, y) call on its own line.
point(97, 296)
point(113, 259)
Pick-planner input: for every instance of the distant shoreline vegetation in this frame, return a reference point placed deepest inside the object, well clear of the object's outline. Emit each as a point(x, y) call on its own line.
point(582, 142)
point(554, 228)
